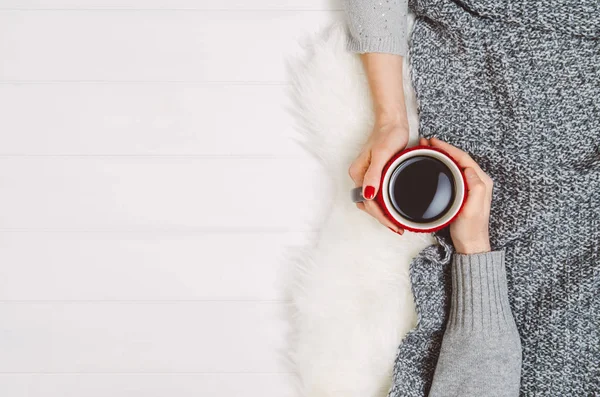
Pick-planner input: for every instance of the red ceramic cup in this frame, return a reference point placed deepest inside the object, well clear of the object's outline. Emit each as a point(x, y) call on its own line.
point(385, 195)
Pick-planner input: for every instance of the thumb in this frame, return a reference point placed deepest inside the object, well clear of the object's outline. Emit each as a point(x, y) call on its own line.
point(373, 176)
point(475, 187)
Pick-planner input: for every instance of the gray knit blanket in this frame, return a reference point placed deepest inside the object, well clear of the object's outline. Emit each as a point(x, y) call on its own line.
point(516, 83)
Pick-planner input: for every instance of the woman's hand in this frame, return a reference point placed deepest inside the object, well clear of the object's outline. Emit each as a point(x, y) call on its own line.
point(470, 230)
point(390, 133)
point(387, 139)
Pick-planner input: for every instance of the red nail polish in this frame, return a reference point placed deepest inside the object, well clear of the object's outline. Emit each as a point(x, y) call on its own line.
point(369, 192)
point(392, 229)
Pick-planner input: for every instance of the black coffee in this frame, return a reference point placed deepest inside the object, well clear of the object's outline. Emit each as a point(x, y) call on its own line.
point(422, 189)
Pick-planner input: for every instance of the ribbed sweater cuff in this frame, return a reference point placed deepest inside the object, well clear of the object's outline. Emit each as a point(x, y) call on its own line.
point(386, 45)
point(479, 294)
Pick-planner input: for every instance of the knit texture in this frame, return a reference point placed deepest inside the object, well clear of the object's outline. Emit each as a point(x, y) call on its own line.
point(517, 85)
point(375, 27)
point(481, 351)
point(479, 302)
point(418, 353)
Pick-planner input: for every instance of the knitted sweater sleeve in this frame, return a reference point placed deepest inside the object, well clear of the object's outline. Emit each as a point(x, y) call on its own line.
point(481, 349)
point(377, 26)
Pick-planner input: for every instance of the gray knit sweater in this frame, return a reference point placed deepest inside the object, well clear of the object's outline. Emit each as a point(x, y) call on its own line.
point(377, 26)
point(481, 351)
point(516, 84)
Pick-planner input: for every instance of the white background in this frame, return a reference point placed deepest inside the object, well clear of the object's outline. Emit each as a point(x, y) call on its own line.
point(149, 189)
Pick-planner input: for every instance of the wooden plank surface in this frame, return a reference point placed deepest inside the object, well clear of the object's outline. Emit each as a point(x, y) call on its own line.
point(117, 337)
point(146, 119)
point(146, 385)
point(150, 194)
point(173, 194)
point(38, 266)
point(267, 5)
point(249, 46)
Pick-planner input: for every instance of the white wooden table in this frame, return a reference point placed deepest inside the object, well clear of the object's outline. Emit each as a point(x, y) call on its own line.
point(129, 264)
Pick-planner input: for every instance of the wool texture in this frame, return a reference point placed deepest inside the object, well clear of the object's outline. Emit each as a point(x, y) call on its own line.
point(517, 85)
point(350, 292)
point(418, 353)
point(376, 26)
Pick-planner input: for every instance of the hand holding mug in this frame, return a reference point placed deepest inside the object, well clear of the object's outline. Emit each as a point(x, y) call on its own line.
point(422, 189)
point(433, 185)
point(470, 229)
point(386, 140)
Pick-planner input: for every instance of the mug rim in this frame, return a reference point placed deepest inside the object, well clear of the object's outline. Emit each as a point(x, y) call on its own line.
point(389, 210)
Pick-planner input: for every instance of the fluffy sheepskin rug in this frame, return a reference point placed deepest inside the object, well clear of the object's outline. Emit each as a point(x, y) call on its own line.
point(351, 295)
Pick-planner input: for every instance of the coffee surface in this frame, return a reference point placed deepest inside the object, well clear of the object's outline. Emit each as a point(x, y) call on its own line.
point(422, 189)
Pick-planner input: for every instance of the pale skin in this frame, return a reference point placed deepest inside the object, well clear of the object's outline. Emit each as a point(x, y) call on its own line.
point(389, 134)
point(470, 230)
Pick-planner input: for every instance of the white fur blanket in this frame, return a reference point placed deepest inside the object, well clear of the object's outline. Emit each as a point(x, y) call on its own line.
point(351, 294)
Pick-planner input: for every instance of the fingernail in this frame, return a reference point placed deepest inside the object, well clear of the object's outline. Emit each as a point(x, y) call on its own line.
point(369, 192)
point(392, 230)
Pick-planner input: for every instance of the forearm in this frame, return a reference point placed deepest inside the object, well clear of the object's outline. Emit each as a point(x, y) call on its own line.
point(481, 350)
point(377, 30)
point(384, 74)
point(377, 26)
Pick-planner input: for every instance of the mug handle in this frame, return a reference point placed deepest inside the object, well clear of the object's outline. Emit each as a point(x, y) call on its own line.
point(357, 195)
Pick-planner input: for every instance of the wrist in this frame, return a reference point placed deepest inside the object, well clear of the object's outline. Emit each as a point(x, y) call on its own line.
point(391, 116)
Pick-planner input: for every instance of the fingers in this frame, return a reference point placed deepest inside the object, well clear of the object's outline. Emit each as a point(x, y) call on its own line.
point(375, 211)
point(373, 175)
point(372, 208)
point(463, 159)
point(424, 142)
point(480, 194)
point(364, 171)
point(359, 167)
point(477, 193)
point(476, 186)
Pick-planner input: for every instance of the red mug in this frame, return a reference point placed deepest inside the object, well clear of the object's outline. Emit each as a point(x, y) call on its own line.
point(422, 189)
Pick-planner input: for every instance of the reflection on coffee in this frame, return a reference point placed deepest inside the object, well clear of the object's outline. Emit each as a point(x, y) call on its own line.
point(422, 189)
